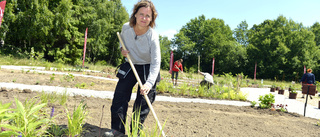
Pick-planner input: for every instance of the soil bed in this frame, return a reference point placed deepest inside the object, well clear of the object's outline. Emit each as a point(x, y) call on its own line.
point(182, 119)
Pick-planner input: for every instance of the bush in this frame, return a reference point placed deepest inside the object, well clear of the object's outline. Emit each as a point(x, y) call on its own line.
point(266, 101)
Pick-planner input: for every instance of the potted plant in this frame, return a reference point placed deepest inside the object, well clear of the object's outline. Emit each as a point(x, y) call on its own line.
point(281, 88)
point(273, 87)
point(293, 92)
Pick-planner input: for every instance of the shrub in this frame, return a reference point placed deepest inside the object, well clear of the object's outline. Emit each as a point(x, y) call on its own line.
point(266, 101)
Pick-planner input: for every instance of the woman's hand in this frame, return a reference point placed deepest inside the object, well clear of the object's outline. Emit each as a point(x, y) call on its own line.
point(144, 90)
point(124, 52)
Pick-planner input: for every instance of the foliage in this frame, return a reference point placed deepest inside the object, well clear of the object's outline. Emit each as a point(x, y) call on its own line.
point(54, 30)
point(76, 121)
point(165, 44)
point(162, 86)
point(266, 101)
point(209, 38)
point(28, 120)
point(282, 86)
point(294, 88)
point(281, 48)
point(253, 103)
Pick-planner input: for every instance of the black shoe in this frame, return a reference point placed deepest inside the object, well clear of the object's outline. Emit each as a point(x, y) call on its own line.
point(310, 97)
point(302, 97)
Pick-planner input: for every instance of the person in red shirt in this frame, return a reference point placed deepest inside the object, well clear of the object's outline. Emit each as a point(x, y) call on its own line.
point(175, 70)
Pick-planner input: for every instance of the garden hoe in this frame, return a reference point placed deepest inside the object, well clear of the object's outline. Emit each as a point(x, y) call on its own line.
point(140, 84)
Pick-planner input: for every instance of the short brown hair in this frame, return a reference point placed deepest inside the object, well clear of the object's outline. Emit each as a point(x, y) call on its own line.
point(143, 3)
point(309, 70)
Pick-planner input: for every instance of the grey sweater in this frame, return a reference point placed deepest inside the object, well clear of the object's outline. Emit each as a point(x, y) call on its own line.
point(143, 49)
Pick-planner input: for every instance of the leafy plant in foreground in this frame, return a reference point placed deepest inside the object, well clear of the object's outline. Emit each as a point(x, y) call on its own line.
point(28, 120)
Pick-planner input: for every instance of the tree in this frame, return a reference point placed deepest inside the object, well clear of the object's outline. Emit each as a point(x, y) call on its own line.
point(241, 33)
point(315, 28)
point(209, 38)
point(55, 29)
point(165, 44)
point(281, 48)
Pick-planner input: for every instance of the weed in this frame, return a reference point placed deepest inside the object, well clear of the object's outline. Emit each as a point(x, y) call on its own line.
point(81, 86)
point(69, 77)
point(63, 98)
point(52, 78)
point(253, 103)
point(76, 121)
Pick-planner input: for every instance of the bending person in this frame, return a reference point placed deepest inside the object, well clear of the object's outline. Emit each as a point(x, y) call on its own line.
point(175, 70)
point(207, 80)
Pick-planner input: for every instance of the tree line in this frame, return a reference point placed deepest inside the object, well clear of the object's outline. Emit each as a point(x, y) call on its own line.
point(280, 47)
point(53, 30)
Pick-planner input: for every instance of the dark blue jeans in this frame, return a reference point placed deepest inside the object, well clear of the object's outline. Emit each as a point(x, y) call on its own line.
point(122, 97)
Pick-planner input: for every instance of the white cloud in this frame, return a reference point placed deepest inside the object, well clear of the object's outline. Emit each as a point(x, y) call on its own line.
point(168, 33)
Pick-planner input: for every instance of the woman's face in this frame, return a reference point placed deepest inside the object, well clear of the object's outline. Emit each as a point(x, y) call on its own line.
point(143, 17)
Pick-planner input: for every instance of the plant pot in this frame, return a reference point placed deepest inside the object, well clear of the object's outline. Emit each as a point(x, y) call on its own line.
point(312, 89)
point(292, 95)
point(272, 89)
point(289, 89)
point(281, 91)
point(277, 88)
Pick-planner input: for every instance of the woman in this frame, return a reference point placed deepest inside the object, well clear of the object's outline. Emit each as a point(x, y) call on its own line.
point(175, 70)
point(308, 78)
point(142, 43)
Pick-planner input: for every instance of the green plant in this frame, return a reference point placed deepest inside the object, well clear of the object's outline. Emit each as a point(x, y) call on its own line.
point(266, 101)
point(273, 85)
point(253, 103)
point(14, 80)
point(28, 120)
point(82, 85)
point(282, 86)
point(69, 77)
point(63, 98)
point(76, 121)
point(294, 88)
point(52, 77)
point(56, 130)
point(162, 86)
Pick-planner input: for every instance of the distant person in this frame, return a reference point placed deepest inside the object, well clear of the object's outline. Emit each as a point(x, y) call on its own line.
point(175, 70)
point(308, 78)
point(207, 80)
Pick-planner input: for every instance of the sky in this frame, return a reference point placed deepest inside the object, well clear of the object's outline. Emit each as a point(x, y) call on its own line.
point(174, 14)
